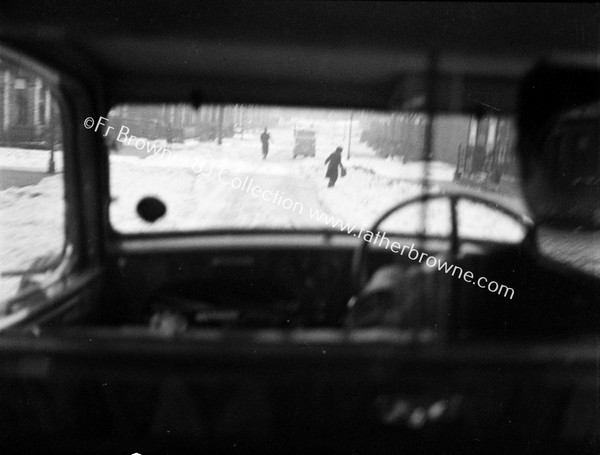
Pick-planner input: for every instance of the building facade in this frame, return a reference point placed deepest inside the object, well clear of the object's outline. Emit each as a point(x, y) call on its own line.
point(26, 109)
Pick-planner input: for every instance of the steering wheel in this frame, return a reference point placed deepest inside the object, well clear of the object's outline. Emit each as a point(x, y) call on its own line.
point(454, 195)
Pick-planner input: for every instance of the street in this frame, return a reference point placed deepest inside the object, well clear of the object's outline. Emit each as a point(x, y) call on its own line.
point(202, 187)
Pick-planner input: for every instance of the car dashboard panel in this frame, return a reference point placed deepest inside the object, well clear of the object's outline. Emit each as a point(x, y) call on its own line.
point(235, 289)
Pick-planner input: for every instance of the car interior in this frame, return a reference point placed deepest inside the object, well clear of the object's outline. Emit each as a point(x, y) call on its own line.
point(151, 306)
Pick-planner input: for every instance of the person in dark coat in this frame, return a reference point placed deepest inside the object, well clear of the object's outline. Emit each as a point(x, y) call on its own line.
point(335, 161)
point(264, 138)
point(169, 133)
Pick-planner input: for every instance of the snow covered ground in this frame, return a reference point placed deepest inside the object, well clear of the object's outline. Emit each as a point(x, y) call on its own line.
point(207, 186)
point(29, 159)
point(197, 183)
point(31, 224)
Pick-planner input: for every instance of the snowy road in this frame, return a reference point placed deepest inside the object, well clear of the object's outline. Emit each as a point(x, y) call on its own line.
point(205, 191)
point(206, 187)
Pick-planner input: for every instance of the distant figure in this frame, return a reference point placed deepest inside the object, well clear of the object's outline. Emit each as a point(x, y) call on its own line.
point(264, 138)
point(169, 133)
point(335, 161)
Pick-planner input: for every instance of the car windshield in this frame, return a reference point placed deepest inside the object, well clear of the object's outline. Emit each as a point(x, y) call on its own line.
point(256, 168)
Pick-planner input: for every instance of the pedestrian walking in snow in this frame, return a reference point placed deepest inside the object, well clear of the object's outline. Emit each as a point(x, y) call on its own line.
point(335, 161)
point(264, 138)
point(169, 133)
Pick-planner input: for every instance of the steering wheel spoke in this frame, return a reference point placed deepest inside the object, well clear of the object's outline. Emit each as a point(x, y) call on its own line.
point(454, 196)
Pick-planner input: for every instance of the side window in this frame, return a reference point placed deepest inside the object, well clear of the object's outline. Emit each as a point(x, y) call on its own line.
point(32, 189)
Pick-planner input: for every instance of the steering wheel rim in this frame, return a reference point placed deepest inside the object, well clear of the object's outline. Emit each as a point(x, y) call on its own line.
point(454, 195)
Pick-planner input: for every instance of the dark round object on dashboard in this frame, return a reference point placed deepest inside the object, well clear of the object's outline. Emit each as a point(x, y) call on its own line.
point(151, 209)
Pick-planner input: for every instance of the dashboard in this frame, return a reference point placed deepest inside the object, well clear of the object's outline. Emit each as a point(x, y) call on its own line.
point(242, 289)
